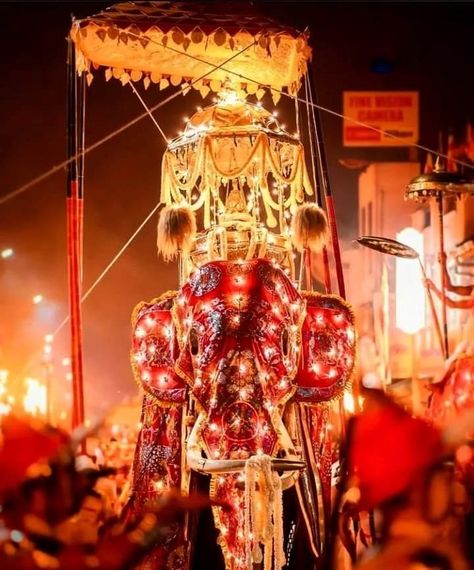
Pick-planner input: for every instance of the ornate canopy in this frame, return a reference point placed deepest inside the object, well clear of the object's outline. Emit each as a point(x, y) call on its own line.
point(178, 43)
point(236, 145)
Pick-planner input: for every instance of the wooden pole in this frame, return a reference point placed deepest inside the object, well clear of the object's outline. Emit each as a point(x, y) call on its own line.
point(439, 200)
point(326, 187)
point(434, 314)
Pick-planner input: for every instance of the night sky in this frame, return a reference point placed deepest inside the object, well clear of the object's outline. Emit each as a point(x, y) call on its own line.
point(357, 46)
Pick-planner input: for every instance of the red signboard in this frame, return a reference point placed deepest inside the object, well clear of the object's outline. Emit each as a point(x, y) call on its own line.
point(380, 118)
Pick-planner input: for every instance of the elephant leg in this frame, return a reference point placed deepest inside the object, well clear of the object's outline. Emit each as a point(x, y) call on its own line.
point(157, 469)
point(205, 552)
point(298, 550)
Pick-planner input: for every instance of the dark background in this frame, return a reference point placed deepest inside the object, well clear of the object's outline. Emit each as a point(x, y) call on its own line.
point(357, 46)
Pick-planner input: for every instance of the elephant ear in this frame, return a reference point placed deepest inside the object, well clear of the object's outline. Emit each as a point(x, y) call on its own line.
point(328, 347)
point(155, 349)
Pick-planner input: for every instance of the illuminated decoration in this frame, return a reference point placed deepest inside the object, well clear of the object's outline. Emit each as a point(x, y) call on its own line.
point(409, 290)
point(228, 151)
point(240, 366)
point(434, 186)
point(37, 299)
point(455, 391)
point(244, 343)
point(185, 43)
point(453, 394)
point(35, 399)
point(439, 182)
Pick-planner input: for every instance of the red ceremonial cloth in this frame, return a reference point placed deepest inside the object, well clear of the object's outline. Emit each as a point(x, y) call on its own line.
point(24, 443)
point(390, 449)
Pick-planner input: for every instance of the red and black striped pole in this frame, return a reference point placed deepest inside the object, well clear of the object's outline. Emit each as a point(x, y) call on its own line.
point(75, 213)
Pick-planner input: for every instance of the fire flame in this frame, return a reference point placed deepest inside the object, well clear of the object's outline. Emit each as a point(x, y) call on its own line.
point(34, 401)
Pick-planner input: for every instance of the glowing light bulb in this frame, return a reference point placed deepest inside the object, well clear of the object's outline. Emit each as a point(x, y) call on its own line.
point(7, 252)
point(268, 351)
point(213, 427)
point(138, 357)
point(140, 332)
point(37, 299)
point(48, 338)
point(348, 402)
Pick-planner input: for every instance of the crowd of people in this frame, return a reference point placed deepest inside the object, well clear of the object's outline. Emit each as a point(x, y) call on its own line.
point(61, 501)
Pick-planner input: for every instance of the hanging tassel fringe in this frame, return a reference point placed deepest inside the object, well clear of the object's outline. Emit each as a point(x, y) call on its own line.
point(263, 514)
point(309, 228)
point(176, 231)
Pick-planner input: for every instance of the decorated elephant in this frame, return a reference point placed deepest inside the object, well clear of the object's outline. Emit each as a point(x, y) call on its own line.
point(235, 368)
point(240, 367)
